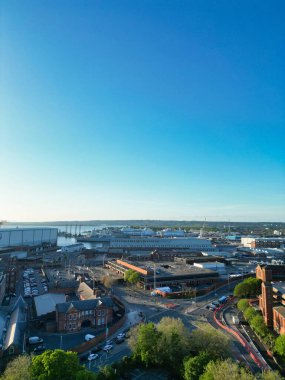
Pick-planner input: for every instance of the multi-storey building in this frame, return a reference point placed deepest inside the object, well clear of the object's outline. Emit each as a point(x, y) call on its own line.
point(272, 296)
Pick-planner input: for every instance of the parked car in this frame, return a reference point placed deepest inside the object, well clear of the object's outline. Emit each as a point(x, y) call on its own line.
point(119, 340)
point(89, 337)
point(108, 347)
point(93, 356)
point(35, 340)
point(40, 348)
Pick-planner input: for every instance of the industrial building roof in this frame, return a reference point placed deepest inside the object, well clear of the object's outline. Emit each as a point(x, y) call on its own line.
point(170, 268)
point(84, 305)
point(46, 303)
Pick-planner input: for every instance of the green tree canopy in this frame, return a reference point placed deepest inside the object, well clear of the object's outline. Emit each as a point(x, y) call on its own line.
point(250, 287)
point(242, 304)
point(131, 276)
point(225, 370)
point(250, 313)
point(174, 343)
point(144, 342)
point(210, 340)
point(195, 366)
point(56, 364)
point(18, 369)
point(279, 347)
point(271, 375)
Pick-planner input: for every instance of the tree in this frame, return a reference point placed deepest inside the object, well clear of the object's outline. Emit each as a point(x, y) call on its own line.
point(56, 364)
point(144, 343)
point(19, 368)
point(250, 287)
point(86, 375)
point(271, 375)
point(250, 313)
point(279, 347)
point(107, 373)
point(132, 276)
point(195, 366)
point(210, 340)
point(258, 325)
point(174, 343)
point(225, 370)
point(242, 304)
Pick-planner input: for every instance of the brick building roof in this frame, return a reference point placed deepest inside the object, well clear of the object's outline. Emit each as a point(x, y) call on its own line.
point(85, 305)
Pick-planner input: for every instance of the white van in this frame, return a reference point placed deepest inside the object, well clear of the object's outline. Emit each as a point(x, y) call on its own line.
point(35, 340)
point(89, 337)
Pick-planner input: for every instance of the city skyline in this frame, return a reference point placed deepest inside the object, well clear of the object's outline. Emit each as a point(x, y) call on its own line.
point(146, 110)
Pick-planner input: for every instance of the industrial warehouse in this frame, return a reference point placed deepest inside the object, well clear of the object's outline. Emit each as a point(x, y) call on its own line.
point(27, 237)
point(166, 273)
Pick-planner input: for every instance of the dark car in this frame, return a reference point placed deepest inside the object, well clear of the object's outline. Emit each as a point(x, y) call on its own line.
point(96, 349)
point(40, 348)
point(119, 340)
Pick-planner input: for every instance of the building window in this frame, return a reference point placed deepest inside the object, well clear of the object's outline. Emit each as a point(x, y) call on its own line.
point(99, 312)
point(70, 316)
point(103, 313)
point(99, 322)
point(74, 316)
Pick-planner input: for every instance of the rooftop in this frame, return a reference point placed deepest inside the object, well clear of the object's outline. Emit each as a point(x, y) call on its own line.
point(46, 303)
point(280, 310)
point(84, 305)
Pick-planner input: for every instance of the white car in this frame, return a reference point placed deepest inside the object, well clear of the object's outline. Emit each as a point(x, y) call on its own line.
point(89, 337)
point(108, 347)
point(93, 356)
point(121, 336)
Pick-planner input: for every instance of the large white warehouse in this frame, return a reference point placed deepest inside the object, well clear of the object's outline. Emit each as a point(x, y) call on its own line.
point(19, 237)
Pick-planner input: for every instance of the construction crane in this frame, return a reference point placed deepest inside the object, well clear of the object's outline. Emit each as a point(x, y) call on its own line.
point(202, 229)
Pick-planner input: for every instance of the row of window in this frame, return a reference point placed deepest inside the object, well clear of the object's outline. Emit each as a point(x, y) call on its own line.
point(72, 326)
point(86, 313)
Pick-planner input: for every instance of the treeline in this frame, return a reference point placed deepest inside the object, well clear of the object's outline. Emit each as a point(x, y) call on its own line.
point(204, 354)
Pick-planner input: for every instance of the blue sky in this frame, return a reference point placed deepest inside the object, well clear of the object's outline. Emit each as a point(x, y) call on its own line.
point(142, 110)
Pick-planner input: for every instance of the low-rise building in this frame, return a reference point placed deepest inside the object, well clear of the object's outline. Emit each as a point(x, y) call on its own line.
point(14, 343)
point(165, 273)
point(74, 315)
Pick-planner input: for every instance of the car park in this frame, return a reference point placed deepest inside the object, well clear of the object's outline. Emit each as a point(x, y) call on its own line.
point(93, 357)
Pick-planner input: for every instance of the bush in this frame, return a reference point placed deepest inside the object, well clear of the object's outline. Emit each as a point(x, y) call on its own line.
point(242, 304)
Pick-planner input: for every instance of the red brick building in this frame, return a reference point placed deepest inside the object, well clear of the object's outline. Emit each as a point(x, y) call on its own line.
point(269, 301)
point(279, 319)
point(72, 316)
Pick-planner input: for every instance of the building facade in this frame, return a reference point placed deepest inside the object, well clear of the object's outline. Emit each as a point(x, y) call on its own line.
point(75, 315)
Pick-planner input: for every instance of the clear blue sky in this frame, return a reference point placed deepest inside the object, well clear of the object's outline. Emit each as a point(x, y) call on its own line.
point(147, 109)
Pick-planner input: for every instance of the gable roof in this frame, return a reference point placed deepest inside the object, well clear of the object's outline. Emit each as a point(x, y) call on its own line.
point(84, 305)
point(46, 303)
point(17, 325)
point(85, 291)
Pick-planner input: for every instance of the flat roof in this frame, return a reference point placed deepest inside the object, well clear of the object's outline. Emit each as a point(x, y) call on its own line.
point(170, 268)
point(280, 310)
point(279, 287)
